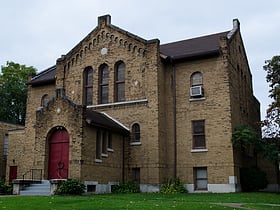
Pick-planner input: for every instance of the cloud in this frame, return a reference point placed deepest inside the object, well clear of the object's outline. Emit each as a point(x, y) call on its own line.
point(37, 32)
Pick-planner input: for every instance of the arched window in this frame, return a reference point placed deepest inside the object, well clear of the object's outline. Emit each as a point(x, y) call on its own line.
point(45, 99)
point(103, 84)
point(196, 82)
point(120, 82)
point(88, 86)
point(196, 79)
point(135, 137)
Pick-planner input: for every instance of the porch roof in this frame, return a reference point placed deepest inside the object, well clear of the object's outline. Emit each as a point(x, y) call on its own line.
point(103, 120)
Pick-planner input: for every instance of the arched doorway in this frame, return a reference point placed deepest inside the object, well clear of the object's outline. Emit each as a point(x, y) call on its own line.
point(58, 154)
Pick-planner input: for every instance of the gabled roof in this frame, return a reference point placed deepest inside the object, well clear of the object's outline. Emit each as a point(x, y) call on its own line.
point(103, 120)
point(43, 78)
point(185, 49)
point(196, 47)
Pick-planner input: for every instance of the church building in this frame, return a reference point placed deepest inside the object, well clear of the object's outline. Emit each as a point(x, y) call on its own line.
point(120, 108)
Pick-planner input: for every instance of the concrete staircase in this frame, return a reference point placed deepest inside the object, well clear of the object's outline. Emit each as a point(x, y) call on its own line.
point(39, 189)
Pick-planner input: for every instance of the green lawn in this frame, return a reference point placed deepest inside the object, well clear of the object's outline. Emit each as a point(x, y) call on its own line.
point(141, 201)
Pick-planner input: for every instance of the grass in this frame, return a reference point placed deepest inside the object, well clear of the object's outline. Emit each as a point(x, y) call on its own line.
point(140, 201)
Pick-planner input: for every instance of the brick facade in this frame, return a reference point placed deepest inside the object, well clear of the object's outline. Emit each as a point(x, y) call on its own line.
point(6, 129)
point(157, 97)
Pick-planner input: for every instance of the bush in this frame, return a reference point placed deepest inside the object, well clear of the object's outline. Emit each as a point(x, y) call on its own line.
point(5, 189)
point(252, 179)
point(126, 187)
point(70, 187)
point(173, 186)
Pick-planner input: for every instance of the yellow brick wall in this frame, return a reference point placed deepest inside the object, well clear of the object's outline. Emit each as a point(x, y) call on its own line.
point(5, 130)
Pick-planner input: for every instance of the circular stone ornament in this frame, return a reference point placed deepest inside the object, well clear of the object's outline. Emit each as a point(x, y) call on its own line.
point(58, 110)
point(104, 51)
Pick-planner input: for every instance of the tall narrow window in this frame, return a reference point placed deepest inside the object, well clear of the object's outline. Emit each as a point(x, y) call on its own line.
point(103, 84)
point(135, 133)
point(97, 149)
point(200, 178)
point(198, 128)
point(196, 89)
point(120, 82)
point(136, 174)
point(88, 86)
point(104, 143)
point(110, 143)
point(6, 146)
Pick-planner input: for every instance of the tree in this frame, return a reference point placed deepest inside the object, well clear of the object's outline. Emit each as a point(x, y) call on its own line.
point(271, 125)
point(13, 91)
point(247, 138)
point(251, 178)
point(272, 121)
point(244, 136)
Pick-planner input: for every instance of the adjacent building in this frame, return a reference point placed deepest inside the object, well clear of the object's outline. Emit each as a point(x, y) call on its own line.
point(5, 129)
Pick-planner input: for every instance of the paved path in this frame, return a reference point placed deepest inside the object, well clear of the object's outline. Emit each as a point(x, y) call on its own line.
point(240, 205)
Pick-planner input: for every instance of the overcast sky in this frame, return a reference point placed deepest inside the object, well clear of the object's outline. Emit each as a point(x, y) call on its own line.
point(37, 32)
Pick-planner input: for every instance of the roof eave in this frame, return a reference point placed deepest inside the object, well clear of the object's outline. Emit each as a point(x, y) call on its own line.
point(42, 82)
point(212, 53)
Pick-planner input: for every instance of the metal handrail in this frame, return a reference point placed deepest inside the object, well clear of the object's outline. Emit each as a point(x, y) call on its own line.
point(35, 174)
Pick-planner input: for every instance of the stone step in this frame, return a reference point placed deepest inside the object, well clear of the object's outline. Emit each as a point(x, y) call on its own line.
point(41, 189)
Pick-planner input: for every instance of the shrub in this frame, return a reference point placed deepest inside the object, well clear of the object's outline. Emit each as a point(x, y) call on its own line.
point(126, 187)
point(173, 186)
point(252, 179)
point(5, 189)
point(70, 187)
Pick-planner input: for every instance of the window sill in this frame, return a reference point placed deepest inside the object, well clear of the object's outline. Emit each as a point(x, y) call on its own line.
point(197, 99)
point(98, 161)
point(110, 150)
point(199, 150)
point(104, 155)
point(135, 143)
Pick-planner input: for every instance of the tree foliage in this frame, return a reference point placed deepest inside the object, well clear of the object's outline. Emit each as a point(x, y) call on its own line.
point(272, 121)
point(271, 125)
point(244, 136)
point(13, 91)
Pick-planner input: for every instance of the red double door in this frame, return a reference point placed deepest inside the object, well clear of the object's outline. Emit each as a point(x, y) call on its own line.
point(58, 155)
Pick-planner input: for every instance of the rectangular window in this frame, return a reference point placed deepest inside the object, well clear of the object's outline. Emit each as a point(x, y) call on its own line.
point(110, 143)
point(198, 130)
point(136, 174)
point(91, 188)
point(5, 146)
point(200, 178)
point(104, 143)
point(98, 139)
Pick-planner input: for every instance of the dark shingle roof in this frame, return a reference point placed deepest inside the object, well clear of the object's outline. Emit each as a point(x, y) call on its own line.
point(103, 120)
point(195, 47)
point(45, 77)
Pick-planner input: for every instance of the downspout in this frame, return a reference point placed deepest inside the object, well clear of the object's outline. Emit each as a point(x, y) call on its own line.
point(174, 116)
point(123, 173)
